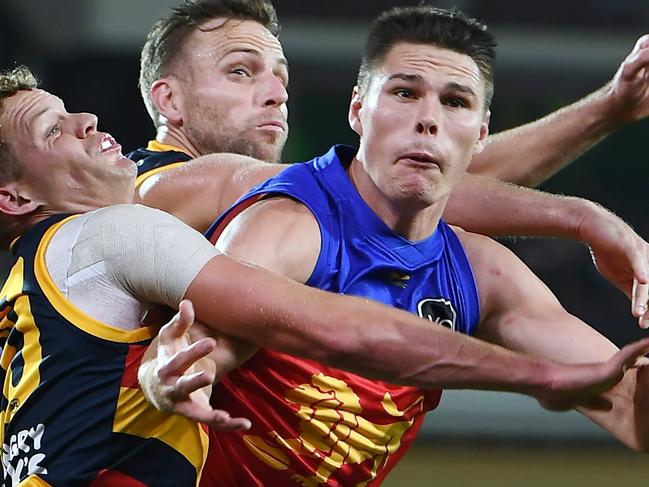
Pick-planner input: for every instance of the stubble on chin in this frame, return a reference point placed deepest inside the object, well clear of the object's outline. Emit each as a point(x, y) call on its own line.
point(236, 144)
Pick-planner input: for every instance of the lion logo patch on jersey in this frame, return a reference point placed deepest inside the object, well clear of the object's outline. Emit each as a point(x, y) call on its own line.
point(333, 432)
point(438, 310)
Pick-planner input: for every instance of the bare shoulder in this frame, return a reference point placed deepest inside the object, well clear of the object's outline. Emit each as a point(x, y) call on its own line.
point(503, 280)
point(484, 251)
point(278, 233)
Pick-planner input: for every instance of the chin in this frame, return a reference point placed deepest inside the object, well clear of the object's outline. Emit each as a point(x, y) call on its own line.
point(271, 154)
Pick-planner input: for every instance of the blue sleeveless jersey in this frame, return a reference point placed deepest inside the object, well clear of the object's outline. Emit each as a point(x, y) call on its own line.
point(317, 425)
point(361, 256)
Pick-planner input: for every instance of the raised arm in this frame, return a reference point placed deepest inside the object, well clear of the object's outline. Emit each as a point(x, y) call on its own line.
point(533, 152)
point(521, 314)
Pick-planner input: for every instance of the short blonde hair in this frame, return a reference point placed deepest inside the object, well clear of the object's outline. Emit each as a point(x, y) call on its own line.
point(12, 81)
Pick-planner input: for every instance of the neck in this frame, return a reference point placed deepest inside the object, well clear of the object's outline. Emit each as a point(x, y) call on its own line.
point(176, 137)
point(411, 218)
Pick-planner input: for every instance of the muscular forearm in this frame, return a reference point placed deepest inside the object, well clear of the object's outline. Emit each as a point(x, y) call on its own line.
point(491, 207)
point(200, 190)
point(357, 334)
point(533, 152)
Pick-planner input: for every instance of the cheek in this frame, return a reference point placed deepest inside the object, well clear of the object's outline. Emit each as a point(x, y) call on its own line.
point(380, 125)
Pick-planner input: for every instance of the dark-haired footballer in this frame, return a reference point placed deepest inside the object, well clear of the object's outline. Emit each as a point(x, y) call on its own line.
point(367, 222)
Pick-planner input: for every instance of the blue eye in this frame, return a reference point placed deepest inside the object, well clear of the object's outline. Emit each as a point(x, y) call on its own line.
point(53, 131)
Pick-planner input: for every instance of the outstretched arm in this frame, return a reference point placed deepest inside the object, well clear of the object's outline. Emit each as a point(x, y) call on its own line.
point(356, 334)
point(492, 207)
point(364, 337)
point(531, 153)
point(520, 313)
point(202, 189)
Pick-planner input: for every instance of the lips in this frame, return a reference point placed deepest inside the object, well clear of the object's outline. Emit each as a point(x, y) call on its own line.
point(273, 125)
point(422, 158)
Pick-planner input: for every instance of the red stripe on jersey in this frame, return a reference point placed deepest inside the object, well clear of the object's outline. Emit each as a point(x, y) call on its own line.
point(111, 478)
point(131, 364)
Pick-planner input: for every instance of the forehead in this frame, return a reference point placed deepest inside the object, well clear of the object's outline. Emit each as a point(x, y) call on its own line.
point(218, 37)
point(431, 61)
point(22, 109)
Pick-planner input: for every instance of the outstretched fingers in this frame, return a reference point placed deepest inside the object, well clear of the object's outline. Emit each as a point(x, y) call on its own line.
point(189, 383)
point(223, 423)
point(179, 324)
point(639, 302)
point(629, 355)
point(215, 418)
point(183, 359)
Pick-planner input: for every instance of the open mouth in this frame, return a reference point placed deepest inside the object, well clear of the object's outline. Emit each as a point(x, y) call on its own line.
point(108, 144)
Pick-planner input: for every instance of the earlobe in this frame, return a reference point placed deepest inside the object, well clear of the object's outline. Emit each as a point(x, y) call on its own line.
point(355, 106)
point(168, 100)
point(15, 204)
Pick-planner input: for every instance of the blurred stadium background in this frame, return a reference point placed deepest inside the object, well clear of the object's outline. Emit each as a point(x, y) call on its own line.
point(551, 53)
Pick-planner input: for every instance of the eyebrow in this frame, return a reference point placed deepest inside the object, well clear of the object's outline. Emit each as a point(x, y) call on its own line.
point(416, 78)
point(255, 52)
point(462, 88)
point(412, 78)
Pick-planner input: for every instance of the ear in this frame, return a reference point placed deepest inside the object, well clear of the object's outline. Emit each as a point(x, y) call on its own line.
point(354, 116)
point(168, 100)
point(13, 201)
point(484, 133)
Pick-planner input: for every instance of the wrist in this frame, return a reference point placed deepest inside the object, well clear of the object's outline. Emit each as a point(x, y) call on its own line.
point(581, 214)
point(610, 110)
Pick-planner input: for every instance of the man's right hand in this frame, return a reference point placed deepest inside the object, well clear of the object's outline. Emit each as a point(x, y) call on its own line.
point(179, 379)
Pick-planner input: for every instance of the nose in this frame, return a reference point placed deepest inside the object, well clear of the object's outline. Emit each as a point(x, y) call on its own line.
point(427, 123)
point(274, 93)
point(427, 126)
point(86, 124)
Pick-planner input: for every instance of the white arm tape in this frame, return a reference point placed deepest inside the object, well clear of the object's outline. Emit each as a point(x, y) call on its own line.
point(150, 254)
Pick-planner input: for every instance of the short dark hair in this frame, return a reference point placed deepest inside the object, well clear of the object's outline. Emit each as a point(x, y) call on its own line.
point(167, 36)
point(11, 82)
point(449, 29)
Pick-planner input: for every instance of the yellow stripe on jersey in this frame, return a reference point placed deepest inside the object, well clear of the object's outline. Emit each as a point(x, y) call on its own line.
point(156, 146)
point(12, 288)
point(144, 176)
point(33, 481)
point(135, 416)
point(73, 314)
point(32, 355)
